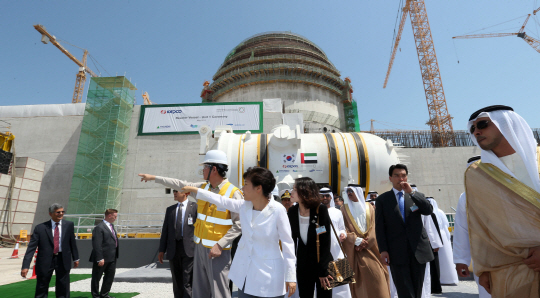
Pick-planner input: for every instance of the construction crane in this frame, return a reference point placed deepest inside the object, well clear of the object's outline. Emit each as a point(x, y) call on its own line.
point(440, 121)
point(83, 69)
point(146, 99)
point(534, 43)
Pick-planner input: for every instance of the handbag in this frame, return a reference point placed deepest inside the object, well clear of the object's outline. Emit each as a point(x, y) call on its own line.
point(340, 269)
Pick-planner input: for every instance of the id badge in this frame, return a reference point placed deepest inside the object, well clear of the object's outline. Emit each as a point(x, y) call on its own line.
point(190, 220)
point(320, 230)
point(414, 208)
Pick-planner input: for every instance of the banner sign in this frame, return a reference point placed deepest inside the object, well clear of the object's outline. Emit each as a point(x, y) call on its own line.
point(189, 118)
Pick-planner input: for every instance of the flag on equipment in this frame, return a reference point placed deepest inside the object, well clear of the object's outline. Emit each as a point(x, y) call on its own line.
point(309, 157)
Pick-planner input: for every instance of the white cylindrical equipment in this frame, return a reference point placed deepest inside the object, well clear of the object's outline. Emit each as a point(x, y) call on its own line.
point(331, 158)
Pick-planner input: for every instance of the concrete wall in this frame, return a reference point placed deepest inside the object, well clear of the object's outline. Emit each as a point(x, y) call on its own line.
point(53, 140)
point(438, 172)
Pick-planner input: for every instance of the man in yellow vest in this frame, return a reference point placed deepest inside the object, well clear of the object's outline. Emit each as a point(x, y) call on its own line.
point(215, 228)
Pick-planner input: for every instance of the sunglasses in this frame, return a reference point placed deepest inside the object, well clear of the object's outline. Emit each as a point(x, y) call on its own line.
point(175, 191)
point(480, 125)
point(60, 212)
point(326, 196)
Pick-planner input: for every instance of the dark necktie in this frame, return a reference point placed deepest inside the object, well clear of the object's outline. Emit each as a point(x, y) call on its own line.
point(401, 202)
point(56, 239)
point(114, 235)
point(179, 222)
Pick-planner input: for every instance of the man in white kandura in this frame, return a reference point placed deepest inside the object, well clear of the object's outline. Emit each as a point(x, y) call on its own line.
point(448, 275)
point(327, 198)
point(215, 228)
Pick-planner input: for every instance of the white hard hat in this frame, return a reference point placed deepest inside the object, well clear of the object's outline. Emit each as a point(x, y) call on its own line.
point(215, 156)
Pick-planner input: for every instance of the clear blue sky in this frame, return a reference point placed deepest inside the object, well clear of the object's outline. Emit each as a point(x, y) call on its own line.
point(169, 48)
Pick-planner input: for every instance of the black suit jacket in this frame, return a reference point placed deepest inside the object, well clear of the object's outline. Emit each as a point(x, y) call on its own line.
point(103, 244)
point(167, 243)
point(306, 254)
point(393, 234)
point(42, 239)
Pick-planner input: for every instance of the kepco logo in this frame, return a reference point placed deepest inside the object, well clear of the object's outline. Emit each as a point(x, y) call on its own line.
point(172, 112)
point(290, 166)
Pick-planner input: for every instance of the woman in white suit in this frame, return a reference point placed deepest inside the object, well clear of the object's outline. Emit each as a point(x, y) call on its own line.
point(259, 268)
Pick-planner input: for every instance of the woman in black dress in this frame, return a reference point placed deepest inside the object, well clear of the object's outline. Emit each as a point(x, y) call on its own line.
point(303, 219)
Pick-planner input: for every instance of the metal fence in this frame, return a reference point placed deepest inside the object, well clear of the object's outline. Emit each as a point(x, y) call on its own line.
point(424, 138)
point(125, 222)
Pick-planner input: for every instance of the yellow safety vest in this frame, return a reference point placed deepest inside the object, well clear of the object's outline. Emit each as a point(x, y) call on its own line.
point(212, 224)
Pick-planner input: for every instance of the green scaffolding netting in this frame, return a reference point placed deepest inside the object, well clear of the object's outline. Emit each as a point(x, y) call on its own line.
point(351, 116)
point(101, 156)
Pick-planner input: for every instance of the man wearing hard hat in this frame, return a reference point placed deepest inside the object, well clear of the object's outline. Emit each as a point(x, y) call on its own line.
point(215, 228)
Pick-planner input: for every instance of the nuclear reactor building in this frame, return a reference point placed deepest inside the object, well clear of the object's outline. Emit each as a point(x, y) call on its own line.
point(290, 67)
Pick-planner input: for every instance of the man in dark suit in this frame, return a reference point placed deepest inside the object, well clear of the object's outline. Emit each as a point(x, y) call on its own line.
point(104, 255)
point(177, 241)
point(403, 241)
point(55, 241)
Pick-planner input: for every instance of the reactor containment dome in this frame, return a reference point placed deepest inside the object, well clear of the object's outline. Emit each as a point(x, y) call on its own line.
point(290, 67)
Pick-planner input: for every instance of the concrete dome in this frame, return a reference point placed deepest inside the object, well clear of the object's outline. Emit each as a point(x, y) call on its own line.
point(287, 66)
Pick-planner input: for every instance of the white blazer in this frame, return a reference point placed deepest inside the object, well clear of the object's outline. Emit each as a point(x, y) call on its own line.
point(260, 268)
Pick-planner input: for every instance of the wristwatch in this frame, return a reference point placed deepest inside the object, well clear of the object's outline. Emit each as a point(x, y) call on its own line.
point(413, 192)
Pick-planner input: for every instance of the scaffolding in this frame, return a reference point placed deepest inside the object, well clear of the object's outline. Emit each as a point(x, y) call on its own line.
point(101, 156)
point(351, 116)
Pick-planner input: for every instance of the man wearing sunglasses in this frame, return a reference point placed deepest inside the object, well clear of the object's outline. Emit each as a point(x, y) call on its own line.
point(502, 193)
point(215, 228)
point(55, 241)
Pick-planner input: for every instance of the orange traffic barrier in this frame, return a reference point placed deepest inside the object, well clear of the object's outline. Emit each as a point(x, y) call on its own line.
point(34, 271)
point(15, 254)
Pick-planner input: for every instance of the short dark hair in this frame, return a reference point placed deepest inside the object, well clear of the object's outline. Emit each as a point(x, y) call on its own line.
point(221, 169)
point(397, 166)
point(263, 177)
point(110, 211)
point(308, 192)
point(339, 198)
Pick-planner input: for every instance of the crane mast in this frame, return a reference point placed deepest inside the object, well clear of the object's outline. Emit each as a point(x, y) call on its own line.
point(83, 69)
point(440, 121)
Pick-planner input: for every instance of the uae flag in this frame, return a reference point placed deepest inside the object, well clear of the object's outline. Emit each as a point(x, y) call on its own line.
point(309, 157)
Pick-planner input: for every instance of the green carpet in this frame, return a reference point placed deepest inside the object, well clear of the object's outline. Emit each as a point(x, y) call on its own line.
point(27, 288)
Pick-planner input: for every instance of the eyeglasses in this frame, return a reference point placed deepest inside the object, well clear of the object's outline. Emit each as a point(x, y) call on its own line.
point(326, 196)
point(60, 212)
point(480, 125)
point(175, 191)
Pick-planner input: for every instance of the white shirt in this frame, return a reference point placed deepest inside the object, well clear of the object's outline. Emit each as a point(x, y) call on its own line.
point(516, 165)
point(304, 225)
point(110, 228)
point(59, 233)
point(183, 210)
point(254, 214)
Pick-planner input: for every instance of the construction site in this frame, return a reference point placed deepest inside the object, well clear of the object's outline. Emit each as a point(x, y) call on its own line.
point(100, 145)
point(276, 98)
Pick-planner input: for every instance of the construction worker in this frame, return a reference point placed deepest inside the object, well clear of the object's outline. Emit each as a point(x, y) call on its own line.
point(215, 228)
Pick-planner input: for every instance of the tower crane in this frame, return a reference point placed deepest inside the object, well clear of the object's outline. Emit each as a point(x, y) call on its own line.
point(83, 69)
point(440, 121)
point(146, 99)
point(534, 43)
